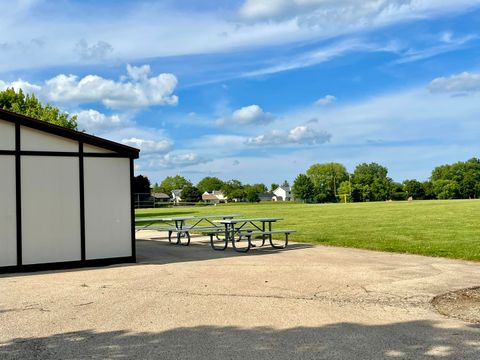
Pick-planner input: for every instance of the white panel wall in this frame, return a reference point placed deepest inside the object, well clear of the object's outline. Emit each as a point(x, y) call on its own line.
point(95, 149)
point(35, 140)
point(7, 135)
point(50, 209)
point(8, 233)
point(107, 208)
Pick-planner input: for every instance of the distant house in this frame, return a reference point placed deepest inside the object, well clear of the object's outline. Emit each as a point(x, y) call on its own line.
point(215, 197)
point(265, 196)
point(176, 196)
point(282, 193)
point(160, 197)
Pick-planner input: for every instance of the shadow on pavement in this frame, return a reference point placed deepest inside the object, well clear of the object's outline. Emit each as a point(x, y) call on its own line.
point(406, 340)
point(159, 251)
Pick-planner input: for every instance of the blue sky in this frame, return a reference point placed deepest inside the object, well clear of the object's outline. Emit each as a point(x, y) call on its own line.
point(257, 90)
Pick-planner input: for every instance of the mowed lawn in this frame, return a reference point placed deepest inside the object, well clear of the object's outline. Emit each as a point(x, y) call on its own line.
point(449, 228)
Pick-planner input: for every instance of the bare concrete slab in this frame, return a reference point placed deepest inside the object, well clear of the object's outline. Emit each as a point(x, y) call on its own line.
point(305, 302)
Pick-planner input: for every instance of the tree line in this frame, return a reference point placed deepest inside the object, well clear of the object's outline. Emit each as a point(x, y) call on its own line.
point(233, 189)
point(331, 182)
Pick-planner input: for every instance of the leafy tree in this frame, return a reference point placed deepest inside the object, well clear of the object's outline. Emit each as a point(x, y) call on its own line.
point(173, 183)
point(429, 190)
point(257, 188)
point(447, 189)
point(273, 187)
point(397, 192)
point(303, 188)
point(465, 174)
point(415, 189)
point(233, 189)
point(141, 185)
point(285, 184)
point(191, 194)
point(252, 195)
point(209, 184)
point(29, 105)
point(326, 178)
point(371, 182)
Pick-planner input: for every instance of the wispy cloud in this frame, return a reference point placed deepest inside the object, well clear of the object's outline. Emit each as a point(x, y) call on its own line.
point(459, 83)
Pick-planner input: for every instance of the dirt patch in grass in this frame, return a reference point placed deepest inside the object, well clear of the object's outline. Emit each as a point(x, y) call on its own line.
point(461, 304)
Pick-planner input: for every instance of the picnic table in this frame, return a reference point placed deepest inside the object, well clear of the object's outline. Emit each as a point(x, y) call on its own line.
point(180, 226)
point(236, 229)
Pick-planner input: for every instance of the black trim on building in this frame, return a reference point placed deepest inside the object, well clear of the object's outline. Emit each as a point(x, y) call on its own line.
point(18, 190)
point(82, 200)
point(127, 151)
point(132, 208)
point(67, 265)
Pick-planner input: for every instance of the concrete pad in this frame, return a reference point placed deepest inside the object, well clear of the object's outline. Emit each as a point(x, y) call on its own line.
point(305, 302)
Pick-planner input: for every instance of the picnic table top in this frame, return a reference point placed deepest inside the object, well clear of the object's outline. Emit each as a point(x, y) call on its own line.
point(183, 218)
point(235, 221)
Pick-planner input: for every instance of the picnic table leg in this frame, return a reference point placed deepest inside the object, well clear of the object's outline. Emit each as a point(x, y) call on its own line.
point(285, 244)
point(244, 250)
point(170, 238)
point(181, 234)
point(225, 240)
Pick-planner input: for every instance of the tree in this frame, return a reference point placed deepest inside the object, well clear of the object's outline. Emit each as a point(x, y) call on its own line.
point(370, 182)
point(273, 187)
point(465, 174)
point(141, 185)
point(446, 189)
point(233, 189)
point(29, 105)
point(173, 183)
point(397, 192)
point(209, 183)
point(303, 188)
point(414, 188)
point(257, 188)
point(326, 178)
point(191, 194)
point(252, 195)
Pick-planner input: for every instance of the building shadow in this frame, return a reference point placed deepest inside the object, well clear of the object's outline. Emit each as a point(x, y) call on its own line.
point(405, 340)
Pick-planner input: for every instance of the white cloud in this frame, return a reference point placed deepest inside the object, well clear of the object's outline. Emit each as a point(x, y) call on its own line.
point(170, 160)
point(248, 115)
point(301, 135)
point(149, 146)
point(464, 82)
point(326, 100)
point(132, 91)
point(20, 84)
point(94, 121)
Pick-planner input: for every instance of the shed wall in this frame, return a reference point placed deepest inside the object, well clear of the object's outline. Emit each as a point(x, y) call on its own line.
point(7, 136)
point(108, 221)
point(8, 232)
point(50, 209)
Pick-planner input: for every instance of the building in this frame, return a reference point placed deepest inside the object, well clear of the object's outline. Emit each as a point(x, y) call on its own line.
point(282, 193)
point(161, 197)
point(264, 196)
point(215, 197)
point(66, 197)
point(176, 196)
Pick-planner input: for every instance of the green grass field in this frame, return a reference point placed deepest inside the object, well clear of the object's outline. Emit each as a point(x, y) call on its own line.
point(448, 228)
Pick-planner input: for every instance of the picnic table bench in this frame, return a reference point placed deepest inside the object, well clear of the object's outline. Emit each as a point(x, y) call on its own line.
point(236, 229)
point(179, 225)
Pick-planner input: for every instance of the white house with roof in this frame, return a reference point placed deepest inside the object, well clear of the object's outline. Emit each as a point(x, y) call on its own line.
point(215, 197)
point(282, 193)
